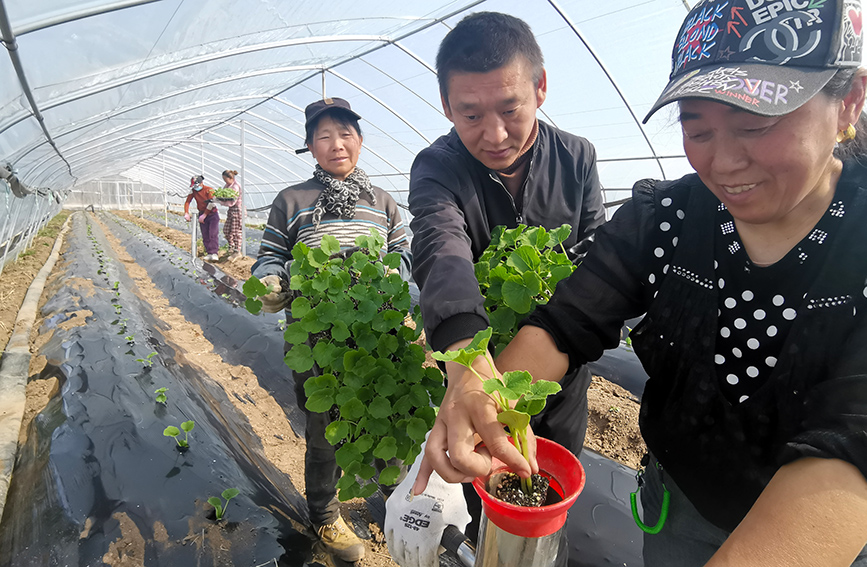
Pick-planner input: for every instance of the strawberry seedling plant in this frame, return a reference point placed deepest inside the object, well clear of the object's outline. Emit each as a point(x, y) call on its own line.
point(350, 312)
point(516, 387)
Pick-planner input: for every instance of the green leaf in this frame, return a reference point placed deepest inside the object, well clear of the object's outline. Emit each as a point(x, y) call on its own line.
point(253, 287)
point(561, 233)
point(492, 385)
point(517, 421)
point(417, 429)
point(295, 333)
point(530, 406)
point(468, 354)
point(559, 273)
point(365, 443)
point(525, 258)
point(254, 306)
point(330, 245)
point(366, 310)
point(519, 381)
point(392, 260)
point(321, 401)
point(323, 353)
point(352, 410)
point(543, 388)
point(300, 307)
point(516, 296)
point(379, 407)
point(217, 504)
point(386, 449)
point(317, 257)
point(537, 237)
point(171, 431)
point(188, 426)
point(340, 332)
point(386, 345)
point(230, 493)
point(344, 394)
point(389, 475)
point(533, 283)
point(347, 455)
point(336, 431)
point(299, 358)
point(366, 472)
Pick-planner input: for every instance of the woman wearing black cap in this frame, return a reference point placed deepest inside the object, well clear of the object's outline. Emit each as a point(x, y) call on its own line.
point(753, 278)
point(338, 200)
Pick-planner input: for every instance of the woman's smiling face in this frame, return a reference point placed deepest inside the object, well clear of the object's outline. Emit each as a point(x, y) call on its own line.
point(762, 168)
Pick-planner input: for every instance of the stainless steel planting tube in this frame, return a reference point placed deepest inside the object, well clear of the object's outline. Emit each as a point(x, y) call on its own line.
point(499, 548)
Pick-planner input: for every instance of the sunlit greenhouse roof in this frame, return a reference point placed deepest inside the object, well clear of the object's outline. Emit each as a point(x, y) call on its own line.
point(158, 91)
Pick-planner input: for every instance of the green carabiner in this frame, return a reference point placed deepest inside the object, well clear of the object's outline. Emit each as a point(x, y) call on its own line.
point(663, 514)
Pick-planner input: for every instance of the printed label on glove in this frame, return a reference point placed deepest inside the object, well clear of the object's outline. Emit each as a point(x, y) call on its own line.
point(417, 520)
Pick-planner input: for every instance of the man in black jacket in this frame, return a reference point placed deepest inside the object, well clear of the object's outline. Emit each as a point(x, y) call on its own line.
point(499, 165)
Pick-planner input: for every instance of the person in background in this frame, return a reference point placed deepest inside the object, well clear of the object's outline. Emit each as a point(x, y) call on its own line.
point(233, 227)
point(498, 166)
point(338, 200)
point(209, 217)
point(753, 278)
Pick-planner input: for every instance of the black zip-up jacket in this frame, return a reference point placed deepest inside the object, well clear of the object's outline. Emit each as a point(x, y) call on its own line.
point(456, 202)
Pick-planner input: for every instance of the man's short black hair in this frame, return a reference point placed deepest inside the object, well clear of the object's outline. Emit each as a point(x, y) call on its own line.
point(486, 41)
point(340, 116)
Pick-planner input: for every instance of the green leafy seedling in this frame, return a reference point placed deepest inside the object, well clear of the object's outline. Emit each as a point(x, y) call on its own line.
point(519, 271)
point(161, 396)
point(218, 505)
point(172, 431)
point(147, 360)
point(515, 389)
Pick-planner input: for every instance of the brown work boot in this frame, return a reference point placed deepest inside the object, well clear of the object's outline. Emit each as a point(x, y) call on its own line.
point(340, 541)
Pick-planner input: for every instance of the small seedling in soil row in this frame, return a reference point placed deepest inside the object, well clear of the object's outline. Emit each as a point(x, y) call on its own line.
point(515, 386)
point(147, 361)
point(218, 505)
point(172, 431)
point(161, 396)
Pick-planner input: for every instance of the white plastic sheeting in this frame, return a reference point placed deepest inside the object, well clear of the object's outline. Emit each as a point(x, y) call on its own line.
point(157, 91)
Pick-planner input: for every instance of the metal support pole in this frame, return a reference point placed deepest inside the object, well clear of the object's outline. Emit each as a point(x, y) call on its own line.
point(243, 201)
point(141, 197)
point(165, 194)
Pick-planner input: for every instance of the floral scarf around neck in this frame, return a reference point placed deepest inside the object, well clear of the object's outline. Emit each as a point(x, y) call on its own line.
point(340, 197)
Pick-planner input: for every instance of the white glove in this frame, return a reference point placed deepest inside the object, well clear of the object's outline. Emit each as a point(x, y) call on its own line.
point(211, 205)
point(414, 525)
point(275, 301)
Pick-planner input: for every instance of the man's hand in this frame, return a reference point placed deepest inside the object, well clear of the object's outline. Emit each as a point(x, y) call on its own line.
point(414, 525)
point(187, 217)
point(467, 411)
point(275, 301)
point(202, 217)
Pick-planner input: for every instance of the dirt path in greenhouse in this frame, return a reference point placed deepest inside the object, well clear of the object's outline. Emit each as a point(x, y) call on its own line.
point(612, 427)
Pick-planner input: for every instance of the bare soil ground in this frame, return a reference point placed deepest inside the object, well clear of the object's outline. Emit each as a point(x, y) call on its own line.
point(612, 428)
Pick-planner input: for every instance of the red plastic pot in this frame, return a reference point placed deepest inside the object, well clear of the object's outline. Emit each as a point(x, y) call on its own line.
point(567, 480)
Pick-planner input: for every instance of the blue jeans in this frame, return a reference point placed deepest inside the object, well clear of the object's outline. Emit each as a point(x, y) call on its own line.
point(686, 539)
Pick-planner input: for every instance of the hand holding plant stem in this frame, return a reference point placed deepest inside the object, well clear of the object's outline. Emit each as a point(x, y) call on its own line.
point(516, 386)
